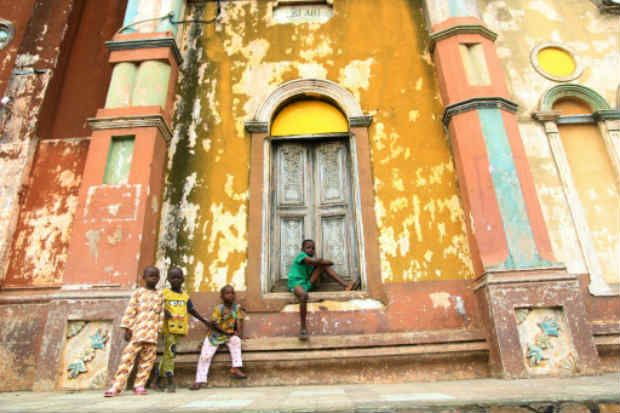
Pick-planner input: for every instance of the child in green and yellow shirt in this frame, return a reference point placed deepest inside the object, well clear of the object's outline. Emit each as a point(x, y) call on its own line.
point(177, 306)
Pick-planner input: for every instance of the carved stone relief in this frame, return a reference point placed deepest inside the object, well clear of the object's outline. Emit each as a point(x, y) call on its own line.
point(86, 355)
point(546, 341)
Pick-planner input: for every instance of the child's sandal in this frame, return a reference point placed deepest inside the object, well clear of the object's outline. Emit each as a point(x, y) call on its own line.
point(195, 386)
point(140, 391)
point(111, 393)
point(303, 335)
point(238, 375)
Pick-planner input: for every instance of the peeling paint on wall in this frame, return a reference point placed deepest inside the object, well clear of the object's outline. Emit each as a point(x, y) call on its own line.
point(521, 26)
point(230, 69)
point(39, 251)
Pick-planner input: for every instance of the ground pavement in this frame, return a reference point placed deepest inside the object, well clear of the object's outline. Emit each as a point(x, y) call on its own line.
point(545, 395)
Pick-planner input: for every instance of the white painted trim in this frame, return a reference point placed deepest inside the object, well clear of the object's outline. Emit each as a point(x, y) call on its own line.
point(564, 47)
point(312, 87)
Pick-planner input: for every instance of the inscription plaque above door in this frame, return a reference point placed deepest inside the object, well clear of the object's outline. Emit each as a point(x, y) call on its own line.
point(302, 11)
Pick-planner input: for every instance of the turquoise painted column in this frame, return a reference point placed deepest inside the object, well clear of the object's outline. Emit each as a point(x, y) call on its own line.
point(121, 85)
point(130, 15)
point(522, 251)
point(175, 7)
point(151, 87)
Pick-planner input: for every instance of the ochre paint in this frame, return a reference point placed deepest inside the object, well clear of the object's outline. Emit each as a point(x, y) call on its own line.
point(238, 63)
point(597, 187)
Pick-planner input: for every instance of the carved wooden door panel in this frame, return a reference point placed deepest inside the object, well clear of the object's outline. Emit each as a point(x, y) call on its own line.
point(311, 198)
point(333, 223)
point(292, 198)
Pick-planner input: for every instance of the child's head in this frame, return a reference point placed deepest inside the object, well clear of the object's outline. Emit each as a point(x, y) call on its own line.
point(307, 246)
point(150, 277)
point(227, 293)
point(175, 278)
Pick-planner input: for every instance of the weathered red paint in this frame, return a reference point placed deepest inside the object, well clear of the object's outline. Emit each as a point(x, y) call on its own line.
point(120, 218)
point(499, 299)
point(53, 159)
point(18, 13)
point(70, 103)
point(452, 80)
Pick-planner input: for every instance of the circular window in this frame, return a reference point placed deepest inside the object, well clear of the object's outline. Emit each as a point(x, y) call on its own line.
point(556, 62)
point(6, 32)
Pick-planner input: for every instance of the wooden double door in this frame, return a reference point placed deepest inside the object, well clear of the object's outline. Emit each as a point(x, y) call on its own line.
point(312, 198)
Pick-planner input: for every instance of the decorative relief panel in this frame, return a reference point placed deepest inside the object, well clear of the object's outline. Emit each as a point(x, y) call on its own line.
point(86, 355)
point(546, 341)
point(335, 245)
point(292, 166)
point(331, 159)
point(291, 235)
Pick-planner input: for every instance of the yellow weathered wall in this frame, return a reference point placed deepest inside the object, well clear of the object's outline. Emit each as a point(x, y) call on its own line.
point(376, 50)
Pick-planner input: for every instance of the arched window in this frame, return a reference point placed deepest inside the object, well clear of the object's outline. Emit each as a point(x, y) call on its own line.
point(311, 189)
point(583, 135)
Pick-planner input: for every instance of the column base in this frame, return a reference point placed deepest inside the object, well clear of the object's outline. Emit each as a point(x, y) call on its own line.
point(537, 324)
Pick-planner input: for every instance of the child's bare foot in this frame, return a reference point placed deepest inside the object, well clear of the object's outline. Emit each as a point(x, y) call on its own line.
point(156, 385)
point(235, 373)
point(355, 285)
point(172, 388)
point(303, 334)
point(196, 386)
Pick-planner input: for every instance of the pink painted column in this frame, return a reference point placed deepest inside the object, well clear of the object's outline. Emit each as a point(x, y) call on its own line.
point(519, 283)
point(114, 235)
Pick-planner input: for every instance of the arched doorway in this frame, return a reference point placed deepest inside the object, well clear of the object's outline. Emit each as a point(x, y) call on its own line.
point(310, 177)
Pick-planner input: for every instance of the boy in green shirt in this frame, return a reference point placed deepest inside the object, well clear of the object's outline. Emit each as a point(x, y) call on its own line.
point(303, 276)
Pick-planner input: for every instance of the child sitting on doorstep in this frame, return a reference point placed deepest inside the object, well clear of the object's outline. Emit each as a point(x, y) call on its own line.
point(177, 305)
point(304, 275)
point(226, 327)
point(142, 321)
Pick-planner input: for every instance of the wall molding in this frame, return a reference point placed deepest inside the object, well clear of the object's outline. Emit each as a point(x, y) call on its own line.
point(477, 103)
point(131, 122)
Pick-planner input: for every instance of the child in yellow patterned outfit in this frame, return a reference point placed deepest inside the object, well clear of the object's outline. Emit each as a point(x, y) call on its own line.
point(142, 322)
point(177, 305)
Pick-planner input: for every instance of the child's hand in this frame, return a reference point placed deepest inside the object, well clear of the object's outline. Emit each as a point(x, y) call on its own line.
point(128, 334)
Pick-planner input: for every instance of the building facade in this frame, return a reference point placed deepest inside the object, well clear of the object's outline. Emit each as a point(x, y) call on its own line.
point(461, 158)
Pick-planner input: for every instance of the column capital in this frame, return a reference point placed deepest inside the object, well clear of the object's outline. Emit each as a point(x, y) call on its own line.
point(459, 29)
point(156, 120)
point(139, 41)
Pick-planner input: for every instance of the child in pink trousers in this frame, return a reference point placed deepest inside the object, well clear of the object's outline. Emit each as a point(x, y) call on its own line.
point(226, 328)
